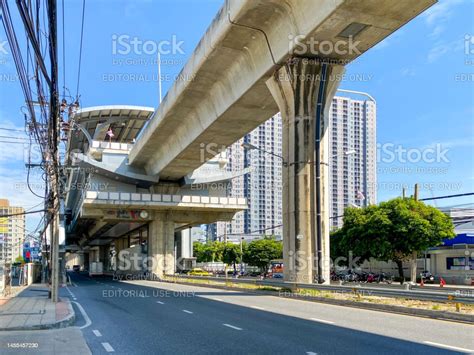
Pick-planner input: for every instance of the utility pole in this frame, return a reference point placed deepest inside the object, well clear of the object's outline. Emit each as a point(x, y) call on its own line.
point(53, 138)
point(414, 254)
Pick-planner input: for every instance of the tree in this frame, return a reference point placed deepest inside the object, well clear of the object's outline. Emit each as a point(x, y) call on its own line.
point(231, 254)
point(393, 230)
point(19, 260)
point(208, 252)
point(261, 252)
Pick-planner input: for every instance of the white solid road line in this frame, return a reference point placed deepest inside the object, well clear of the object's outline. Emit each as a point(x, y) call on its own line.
point(97, 333)
point(231, 326)
point(322, 321)
point(108, 347)
point(186, 311)
point(464, 350)
point(216, 299)
point(311, 353)
point(84, 314)
point(257, 307)
point(159, 302)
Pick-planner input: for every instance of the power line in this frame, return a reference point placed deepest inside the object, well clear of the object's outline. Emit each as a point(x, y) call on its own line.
point(11, 129)
point(17, 138)
point(80, 47)
point(446, 196)
point(22, 213)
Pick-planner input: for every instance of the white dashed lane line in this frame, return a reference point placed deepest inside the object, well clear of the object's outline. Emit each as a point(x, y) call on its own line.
point(97, 333)
point(186, 311)
point(231, 326)
point(108, 347)
point(159, 302)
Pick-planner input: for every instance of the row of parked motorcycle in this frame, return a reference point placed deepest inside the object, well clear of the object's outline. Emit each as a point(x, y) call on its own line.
point(361, 276)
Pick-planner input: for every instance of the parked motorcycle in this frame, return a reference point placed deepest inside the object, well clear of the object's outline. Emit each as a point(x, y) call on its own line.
point(427, 277)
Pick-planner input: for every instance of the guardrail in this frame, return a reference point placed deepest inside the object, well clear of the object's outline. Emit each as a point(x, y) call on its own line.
point(126, 147)
point(449, 296)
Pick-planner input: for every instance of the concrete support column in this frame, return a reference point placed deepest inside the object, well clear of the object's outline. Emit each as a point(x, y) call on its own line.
point(161, 246)
point(303, 90)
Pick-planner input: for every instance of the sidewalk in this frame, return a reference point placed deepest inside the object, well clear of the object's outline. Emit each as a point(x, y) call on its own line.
point(48, 342)
point(32, 309)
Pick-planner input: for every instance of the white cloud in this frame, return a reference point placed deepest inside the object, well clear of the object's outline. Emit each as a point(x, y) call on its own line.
point(438, 14)
point(408, 71)
point(443, 47)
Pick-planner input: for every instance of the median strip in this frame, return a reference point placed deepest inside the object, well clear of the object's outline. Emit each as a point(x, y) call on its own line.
point(322, 321)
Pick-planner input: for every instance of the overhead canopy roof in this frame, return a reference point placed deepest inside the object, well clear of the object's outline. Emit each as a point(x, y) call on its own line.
point(126, 123)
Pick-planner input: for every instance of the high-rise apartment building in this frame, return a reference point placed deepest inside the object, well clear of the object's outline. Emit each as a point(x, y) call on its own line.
point(12, 232)
point(261, 187)
point(352, 169)
point(352, 151)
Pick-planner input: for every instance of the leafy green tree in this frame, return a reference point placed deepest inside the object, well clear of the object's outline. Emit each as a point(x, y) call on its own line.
point(231, 254)
point(19, 259)
point(261, 252)
point(396, 230)
point(208, 252)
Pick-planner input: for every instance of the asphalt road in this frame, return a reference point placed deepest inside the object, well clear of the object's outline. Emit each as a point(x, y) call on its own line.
point(145, 317)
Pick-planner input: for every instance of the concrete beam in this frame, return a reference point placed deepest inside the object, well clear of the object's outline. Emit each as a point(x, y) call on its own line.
point(222, 93)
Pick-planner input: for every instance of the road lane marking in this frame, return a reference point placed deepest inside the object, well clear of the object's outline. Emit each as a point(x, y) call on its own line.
point(259, 308)
point(186, 311)
point(160, 302)
point(108, 347)
point(97, 333)
point(311, 353)
point(70, 292)
point(322, 321)
point(464, 350)
point(84, 314)
point(216, 299)
point(231, 326)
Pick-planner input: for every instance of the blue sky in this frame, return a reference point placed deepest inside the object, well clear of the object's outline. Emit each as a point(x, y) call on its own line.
point(421, 77)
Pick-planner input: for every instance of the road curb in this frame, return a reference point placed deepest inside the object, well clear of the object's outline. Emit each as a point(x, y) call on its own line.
point(425, 313)
point(62, 323)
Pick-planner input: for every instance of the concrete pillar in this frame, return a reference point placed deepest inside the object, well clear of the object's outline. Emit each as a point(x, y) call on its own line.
point(303, 90)
point(161, 246)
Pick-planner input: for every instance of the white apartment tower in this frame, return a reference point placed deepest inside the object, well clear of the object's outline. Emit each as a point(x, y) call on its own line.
point(352, 169)
point(12, 232)
point(261, 187)
point(352, 151)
